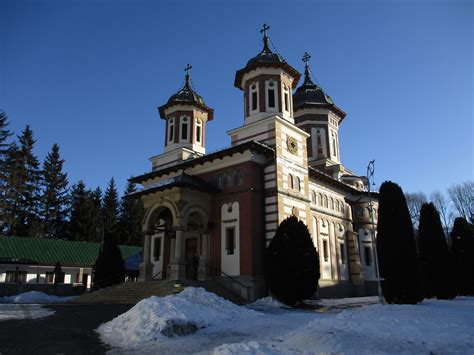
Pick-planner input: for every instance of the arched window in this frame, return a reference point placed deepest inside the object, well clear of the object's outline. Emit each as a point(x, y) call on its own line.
point(171, 130)
point(313, 197)
point(325, 201)
point(298, 184)
point(253, 98)
point(331, 203)
point(198, 131)
point(320, 199)
point(334, 144)
point(184, 128)
point(286, 99)
point(240, 177)
point(230, 179)
point(220, 182)
point(271, 94)
point(337, 205)
point(290, 182)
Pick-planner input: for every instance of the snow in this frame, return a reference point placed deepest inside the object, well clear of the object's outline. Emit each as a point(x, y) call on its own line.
point(35, 297)
point(268, 327)
point(21, 311)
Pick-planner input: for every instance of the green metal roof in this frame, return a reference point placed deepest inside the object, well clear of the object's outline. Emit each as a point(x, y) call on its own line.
point(41, 251)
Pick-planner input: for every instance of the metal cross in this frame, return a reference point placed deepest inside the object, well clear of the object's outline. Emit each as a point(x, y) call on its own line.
point(265, 29)
point(187, 69)
point(306, 58)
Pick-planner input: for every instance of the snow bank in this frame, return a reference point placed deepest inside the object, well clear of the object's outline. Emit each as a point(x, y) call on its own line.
point(249, 348)
point(34, 297)
point(431, 327)
point(16, 311)
point(179, 314)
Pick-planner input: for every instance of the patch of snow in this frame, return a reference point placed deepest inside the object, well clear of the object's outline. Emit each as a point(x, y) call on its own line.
point(17, 311)
point(155, 317)
point(249, 348)
point(338, 302)
point(35, 297)
point(269, 302)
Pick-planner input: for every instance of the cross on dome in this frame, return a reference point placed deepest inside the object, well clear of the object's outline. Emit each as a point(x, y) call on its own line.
point(265, 37)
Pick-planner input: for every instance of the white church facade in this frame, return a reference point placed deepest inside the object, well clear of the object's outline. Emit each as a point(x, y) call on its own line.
point(211, 216)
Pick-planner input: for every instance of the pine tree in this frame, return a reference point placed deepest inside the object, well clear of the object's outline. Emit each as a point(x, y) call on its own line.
point(96, 220)
point(131, 216)
point(462, 246)
point(55, 195)
point(292, 263)
point(110, 208)
point(4, 147)
point(13, 189)
point(435, 260)
point(396, 249)
point(80, 213)
point(109, 267)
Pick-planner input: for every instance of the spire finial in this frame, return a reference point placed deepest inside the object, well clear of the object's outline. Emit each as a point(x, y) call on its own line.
point(187, 69)
point(307, 75)
point(265, 37)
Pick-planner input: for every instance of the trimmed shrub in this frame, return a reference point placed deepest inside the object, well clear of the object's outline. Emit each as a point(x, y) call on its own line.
point(435, 261)
point(462, 247)
point(396, 249)
point(292, 263)
point(109, 267)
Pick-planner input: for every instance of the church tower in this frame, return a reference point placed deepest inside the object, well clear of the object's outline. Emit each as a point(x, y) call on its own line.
point(316, 113)
point(186, 116)
point(267, 82)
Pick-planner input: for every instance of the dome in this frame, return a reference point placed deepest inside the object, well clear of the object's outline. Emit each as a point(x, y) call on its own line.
point(186, 95)
point(266, 59)
point(311, 94)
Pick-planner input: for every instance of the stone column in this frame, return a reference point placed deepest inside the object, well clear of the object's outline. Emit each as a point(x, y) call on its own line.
point(178, 271)
point(204, 260)
point(355, 268)
point(146, 267)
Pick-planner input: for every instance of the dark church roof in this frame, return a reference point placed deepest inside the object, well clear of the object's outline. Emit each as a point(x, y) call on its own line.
point(186, 95)
point(310, 94)
point(267, 59)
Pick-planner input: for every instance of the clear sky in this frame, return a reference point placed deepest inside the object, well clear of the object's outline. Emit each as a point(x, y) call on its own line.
point(90, 74)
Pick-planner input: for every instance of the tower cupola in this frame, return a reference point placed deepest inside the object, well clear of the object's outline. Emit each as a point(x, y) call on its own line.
point(267, 82)
point(186, 115)
point(316, 113)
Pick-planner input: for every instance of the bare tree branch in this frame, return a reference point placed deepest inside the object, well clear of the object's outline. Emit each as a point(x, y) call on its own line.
point(443, 206)
point(462, 196)
point(414, 202)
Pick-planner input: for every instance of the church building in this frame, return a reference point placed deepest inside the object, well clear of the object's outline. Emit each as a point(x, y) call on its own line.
point(211, 216)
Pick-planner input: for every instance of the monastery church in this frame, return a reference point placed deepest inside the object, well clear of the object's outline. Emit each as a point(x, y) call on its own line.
point(211, 216)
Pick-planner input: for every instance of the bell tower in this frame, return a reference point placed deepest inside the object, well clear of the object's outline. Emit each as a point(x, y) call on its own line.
point(316, 113)
point(267, 82)
point(186, 116)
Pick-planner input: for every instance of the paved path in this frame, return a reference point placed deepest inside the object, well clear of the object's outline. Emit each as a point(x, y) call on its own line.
point(69, 331)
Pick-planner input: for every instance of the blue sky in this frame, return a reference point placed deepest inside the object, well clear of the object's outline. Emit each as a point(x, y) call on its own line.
point(90, 74)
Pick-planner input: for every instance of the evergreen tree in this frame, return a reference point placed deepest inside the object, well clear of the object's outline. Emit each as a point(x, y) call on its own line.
point(13, 189)
point(292, 263)
point(435, 260)
point(96, 220)
point(131, 216)
point(396, 248)
point(462, 246)
point(110, 208)
point(109, 267)
point(80, 213)
point(4, 135)
point(55, 195)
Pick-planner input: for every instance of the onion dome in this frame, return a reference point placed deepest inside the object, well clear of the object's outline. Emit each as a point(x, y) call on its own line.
point(267, 59)
point(187, 96)
point(311, 94)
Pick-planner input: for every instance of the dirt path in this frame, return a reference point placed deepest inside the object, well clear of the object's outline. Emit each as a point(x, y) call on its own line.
point(70, 330)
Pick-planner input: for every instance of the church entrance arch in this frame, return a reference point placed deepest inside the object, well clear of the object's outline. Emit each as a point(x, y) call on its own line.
point(162, 234)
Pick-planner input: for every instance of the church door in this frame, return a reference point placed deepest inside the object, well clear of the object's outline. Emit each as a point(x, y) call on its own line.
point(191, 258)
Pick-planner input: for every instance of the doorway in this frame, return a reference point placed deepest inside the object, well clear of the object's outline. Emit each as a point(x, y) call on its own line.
point(191, 258)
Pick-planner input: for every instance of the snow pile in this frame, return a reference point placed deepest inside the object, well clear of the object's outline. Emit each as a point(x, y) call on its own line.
point(179, 314)
point(17, 311)
point(35, 297)
point(268, 302)
point(249, 348)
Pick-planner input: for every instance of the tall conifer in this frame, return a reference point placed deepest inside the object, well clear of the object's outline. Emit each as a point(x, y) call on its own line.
point(4, 145)
point(55, 195)
point(462, 246)
point(435, 260)
point(110, 208)
point(131, 216)
point(79, 219)
point(96, 220)
point(396, 247)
